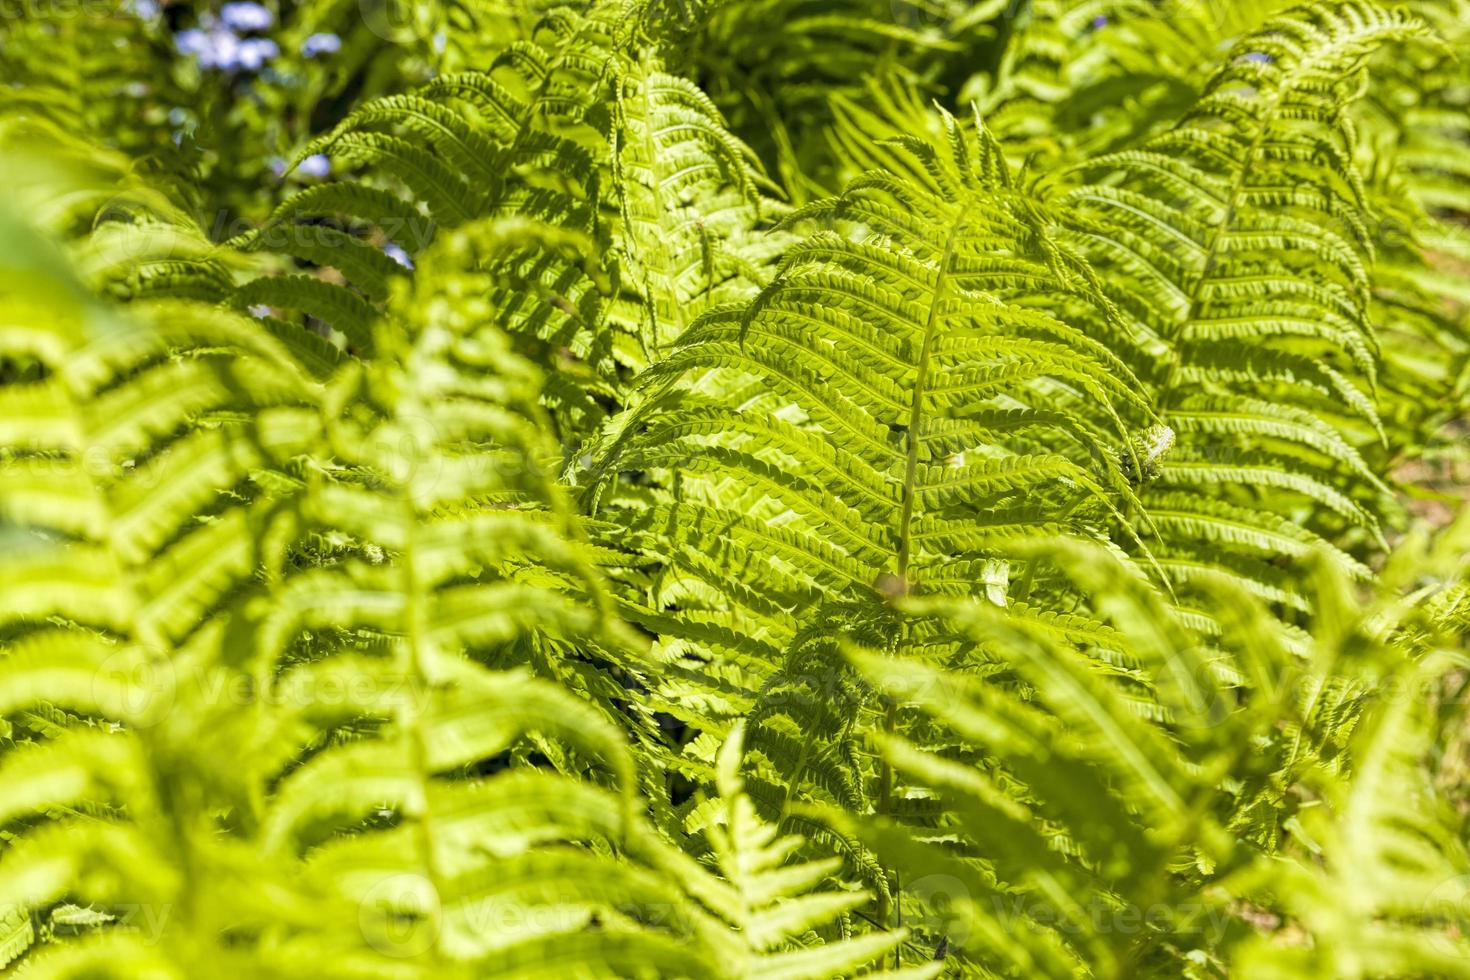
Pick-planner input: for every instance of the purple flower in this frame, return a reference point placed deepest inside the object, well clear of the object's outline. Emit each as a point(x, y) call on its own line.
point(321, 44)
point(1099, 22)
point(260, 311)
point(1256, 57)
point(246, 16)
point(316, 165)
point(398, 255)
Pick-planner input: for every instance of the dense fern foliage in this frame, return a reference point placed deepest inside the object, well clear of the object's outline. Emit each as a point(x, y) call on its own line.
point(698, 488)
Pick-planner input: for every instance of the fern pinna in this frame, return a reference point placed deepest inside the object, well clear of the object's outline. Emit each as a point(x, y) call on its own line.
point(691, 489)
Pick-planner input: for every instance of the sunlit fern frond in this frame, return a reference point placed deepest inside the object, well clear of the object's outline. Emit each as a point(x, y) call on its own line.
point(871, 425)
point(776, 66)
point(578, 130)
point(1081, 77)
point(95, 72)
point(883, 350)
point(1372, 880)
point(1076, 831)
point(777, 907)
point(691, 200)
point(134, 480)
point(1415, 118)
point(1238, 244)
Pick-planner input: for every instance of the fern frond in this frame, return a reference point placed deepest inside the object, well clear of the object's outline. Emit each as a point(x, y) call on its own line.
point(1236, 244)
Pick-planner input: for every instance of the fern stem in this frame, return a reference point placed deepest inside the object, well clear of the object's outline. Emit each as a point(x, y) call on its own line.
point(413, 729)
point(1212, 251)
point(906, 515)
point(885, 801)
point(916, 409)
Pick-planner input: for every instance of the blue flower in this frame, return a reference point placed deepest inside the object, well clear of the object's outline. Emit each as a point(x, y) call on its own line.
point(321, 44)
point(260, 311)
point(255, 52)
point(1099, 22)
point(214, 49)
point(217, 48)
point(1256, 57)
point(246, 16)
point(145, 9)
point(316, 165)
point(193, 41)
point(398, 255)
